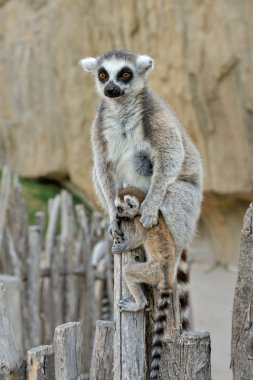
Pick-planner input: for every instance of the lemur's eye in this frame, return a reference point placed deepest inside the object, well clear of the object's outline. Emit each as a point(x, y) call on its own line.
point(102, 75)
point(126, 75)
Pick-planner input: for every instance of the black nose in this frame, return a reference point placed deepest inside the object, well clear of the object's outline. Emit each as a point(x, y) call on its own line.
point(112, 90)
point(119, 209)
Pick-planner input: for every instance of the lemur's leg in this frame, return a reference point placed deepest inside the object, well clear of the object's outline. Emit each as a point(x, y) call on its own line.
point(135, 274)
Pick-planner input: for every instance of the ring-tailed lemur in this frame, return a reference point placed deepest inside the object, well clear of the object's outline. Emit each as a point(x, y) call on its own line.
point(138, 141)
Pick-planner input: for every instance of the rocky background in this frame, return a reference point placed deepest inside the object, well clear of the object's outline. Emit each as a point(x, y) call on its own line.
point(203, 54)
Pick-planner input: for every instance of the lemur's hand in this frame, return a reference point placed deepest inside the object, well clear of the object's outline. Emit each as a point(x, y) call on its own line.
point(119, 247)
point(115, 231)
point(149, 215)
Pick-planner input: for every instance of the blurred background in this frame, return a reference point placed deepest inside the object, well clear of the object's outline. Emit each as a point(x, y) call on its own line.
point(203, 67)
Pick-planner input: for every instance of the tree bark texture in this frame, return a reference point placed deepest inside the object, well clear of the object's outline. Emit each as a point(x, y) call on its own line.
point(186, 357)
point(40, 363)
point(129, 338)
point(11, 363)
point(67, 349)
point(242, 322)
point(102, 358)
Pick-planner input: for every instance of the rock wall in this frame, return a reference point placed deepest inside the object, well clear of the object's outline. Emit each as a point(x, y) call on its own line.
point(203, 54)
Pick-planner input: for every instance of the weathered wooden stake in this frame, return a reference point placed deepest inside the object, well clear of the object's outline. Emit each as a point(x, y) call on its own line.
point(47, 305)
point(67, 349)
point(40, 363)
point(11, 363)
point(87, 287)
point(4, 200)
point(33, 286)
point(242, 320)
point(12, 303)
point(67, 249)
point(102, 357)
point(129, 338)
point(186, 357)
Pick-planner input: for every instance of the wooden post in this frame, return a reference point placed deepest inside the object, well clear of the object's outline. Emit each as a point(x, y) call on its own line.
point(129, 338)
point(17, 242)
point(40, 363)
point(47, 306)
point(109, 274)
point(67, 349)
point(86, 288)
point(186, 357)
point(33, 286)
point(11, 363)
point(13, 264)
point(40, 221)
point(242, 320)
point(102, 357)
point(56, 285)
point(4, 201)
point(67, 248)
point(12, 303)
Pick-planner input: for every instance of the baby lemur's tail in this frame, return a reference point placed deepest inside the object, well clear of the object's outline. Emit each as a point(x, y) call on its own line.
point(184, 290)
point(159, 327)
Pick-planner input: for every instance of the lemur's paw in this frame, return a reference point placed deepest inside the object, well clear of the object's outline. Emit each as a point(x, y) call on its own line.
point(115, 231)
point(149, 215)
point(148, 221)
point(119, 247)
point(128, 305)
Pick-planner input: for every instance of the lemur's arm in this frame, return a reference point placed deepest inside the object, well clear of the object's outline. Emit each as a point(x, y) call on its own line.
point(167, 157)
point(104, 177)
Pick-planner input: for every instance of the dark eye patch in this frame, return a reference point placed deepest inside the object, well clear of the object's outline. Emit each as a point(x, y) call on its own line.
point(102, 75)
point(125, 74)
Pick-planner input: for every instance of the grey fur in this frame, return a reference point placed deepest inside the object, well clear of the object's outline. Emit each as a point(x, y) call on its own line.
point(140, 120)
point(118, 54)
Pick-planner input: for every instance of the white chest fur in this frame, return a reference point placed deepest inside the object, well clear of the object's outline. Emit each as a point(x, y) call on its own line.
point(124, 138)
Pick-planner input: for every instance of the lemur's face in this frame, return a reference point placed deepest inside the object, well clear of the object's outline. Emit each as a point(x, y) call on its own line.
point(128, 207)
point(119, 73)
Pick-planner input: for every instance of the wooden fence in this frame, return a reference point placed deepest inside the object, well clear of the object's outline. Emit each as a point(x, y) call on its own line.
point(53, 271)
point(61, 273)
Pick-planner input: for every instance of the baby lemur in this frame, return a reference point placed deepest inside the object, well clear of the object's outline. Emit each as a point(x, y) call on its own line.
point(158, 270)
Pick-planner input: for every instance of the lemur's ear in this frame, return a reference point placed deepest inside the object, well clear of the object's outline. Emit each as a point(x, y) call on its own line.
point(89, 64)
point(130, 201)
point(145, 63)
point(127, 200)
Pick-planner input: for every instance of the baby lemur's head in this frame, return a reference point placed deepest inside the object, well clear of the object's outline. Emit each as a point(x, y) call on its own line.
point(128, 201)
point(118, 72)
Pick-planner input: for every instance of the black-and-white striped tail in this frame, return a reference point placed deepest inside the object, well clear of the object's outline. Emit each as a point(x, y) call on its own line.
point(183, 285)
point(159, 327)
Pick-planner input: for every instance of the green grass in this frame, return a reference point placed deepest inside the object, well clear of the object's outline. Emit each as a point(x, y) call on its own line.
point(37, 193)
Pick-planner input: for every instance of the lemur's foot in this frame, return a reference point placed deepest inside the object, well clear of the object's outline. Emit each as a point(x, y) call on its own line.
point(128, 305)
point(119, 247)
point(115, 231)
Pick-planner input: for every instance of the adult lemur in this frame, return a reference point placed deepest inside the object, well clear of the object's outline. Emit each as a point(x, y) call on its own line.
point(138, 141)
